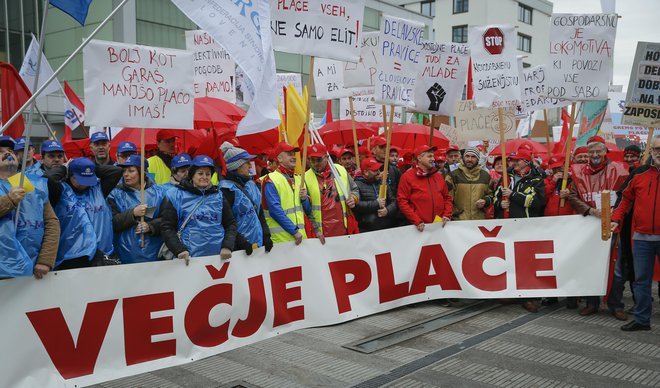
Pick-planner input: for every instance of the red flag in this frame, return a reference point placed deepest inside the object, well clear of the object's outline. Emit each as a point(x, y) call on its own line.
point(14, 95)
point(470, 93)
point(560, 147)
point(328, 112)
point(75, 101)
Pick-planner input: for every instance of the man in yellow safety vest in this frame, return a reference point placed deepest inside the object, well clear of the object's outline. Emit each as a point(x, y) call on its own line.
point(160, 164)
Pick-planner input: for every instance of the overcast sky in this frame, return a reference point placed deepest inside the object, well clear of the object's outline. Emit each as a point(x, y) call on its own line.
point(639, 22)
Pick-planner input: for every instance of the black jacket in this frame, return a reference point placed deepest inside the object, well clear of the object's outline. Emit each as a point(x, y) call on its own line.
point(528, 198)
point(109, 175)
point(241, 242)
point(366, 209)
point(170, 221)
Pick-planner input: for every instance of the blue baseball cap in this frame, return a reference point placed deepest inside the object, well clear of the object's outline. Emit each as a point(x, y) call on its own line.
point(51, 146)
point(203, 161)
point(7, 141)
point(181, 160)
point(84, 170)
point(99, 136)
point(126, 146)
point(20, 144)
point(134, 160)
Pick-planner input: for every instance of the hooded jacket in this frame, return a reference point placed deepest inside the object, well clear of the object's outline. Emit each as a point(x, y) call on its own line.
point(642, 194)
point(423, 197)
point(467, 186)
point(528, 195)
point(366, 210)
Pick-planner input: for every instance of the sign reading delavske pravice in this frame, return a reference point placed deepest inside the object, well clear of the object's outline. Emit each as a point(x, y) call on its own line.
point(128, 85)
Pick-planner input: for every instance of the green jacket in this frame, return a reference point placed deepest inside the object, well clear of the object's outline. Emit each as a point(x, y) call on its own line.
point(466, 187)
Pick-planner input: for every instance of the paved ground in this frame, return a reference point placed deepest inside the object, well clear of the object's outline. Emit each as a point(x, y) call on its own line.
point(503, 347)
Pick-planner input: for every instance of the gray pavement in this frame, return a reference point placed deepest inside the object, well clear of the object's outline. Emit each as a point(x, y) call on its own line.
point(503, 347)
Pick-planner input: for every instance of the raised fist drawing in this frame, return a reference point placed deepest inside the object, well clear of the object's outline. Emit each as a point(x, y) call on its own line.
point(436, 94)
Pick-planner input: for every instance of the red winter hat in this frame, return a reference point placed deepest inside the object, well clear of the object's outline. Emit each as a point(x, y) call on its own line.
point(522, 154)
point(423, 148)
point(316, 151)
point(370, 164)
point(345, 151)
point(166, 134)
point(581, 150)
point(596, 139)
point(283, 147)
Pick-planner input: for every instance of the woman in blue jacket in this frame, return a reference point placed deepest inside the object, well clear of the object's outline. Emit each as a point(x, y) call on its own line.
point(196, 219)
point(127, 212)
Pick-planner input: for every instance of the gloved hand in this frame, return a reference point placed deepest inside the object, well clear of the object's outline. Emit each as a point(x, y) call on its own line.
point(268, 243)
point(185, 255)
point(248, 249)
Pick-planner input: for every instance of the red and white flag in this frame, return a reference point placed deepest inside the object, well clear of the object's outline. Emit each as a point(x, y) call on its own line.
point(76, 103)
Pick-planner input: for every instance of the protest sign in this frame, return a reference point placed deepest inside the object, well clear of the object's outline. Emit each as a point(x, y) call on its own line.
point(441, 75)
point(321, 28)
point(283, 81)
point(473, 123)
point(103, 323)
point(129, 85)
point(643, 99)
point(533, 94)
point(366, 110)
point(363, 72)
point(329, 79)
point(242, 29)
point(399, 52)
point(580, 56)
point(495, 78)
point(214, 72)
point(452, 134)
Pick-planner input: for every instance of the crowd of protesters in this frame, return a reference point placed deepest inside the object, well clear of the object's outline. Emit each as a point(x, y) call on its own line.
point(91, 212)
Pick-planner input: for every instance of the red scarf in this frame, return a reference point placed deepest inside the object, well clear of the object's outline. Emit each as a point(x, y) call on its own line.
point(422, 173)
point(287, 173)
point(593, 170)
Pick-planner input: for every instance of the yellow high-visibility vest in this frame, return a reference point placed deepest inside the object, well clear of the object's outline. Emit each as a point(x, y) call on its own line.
point(290, 201)
point(312, 183)
point(159, 170)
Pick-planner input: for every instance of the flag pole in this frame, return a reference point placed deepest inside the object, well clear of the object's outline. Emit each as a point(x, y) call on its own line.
point(355, 140)
point(307, 118)
point(59, 69)
point(142, 179)
point(431, 130)
point(386, 167)
point(43, 117)
point(505, 169)
point(647, 148)
point(547, 132)
point(567, 158)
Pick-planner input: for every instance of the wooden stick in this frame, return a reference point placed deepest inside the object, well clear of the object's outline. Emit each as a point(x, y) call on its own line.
point(142, 179)
point(431, 131)
point(547, 132)
point(355, 140)
point(307, 118)
point(386, 167)
point(569, 148)
point(605, 215)
point(505, 170)
point(649, 139)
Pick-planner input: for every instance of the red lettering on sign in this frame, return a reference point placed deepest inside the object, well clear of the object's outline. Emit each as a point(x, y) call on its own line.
point(527, 265)
point(139, 327)
point(387, 288)
point(283, 295)
point(256, 312)
point(344, 289)
point(73, 359)
point(473, 266)
point(433, 256)
point(196, 320)
point(490, 233)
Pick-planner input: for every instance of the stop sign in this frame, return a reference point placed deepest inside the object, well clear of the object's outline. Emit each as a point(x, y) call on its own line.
point(494, 41)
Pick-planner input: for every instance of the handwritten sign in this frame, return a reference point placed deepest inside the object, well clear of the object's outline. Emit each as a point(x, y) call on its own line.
point(580, 56)
point(214, 72)
point(283, 81)
point(441, 74)
point(399, 52)
point(451, 133)
point(363, 72)
point(473, 123)
point(129, 85)
point(322, 28)
point(366, 110)
point(532, 87)
point(329, 79)
point(643, 99)
point(495, 78)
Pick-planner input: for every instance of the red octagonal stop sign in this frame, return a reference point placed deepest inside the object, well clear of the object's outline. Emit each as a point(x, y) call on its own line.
point(494, 41)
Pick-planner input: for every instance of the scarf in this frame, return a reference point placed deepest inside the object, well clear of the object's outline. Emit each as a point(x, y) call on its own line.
point(523, 172)
point(287, 173)
point(238, 178)
point(592, 169)
point(422, 173)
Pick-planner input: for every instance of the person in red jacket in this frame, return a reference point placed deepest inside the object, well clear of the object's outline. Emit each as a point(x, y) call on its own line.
point(423, 194)
point(642, 194)
point(553, 192)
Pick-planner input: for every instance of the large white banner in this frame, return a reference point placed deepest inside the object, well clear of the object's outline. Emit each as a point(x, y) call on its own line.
point(441, 75)
point(473, 123)
point(580, 56)
point(214, 71)
point(128, 85)
point(103, 323)
point(29, 70)
point(241, 27)
point(366, 110)
point(643, 99)
point(327, 29)
point(495, 78)
point(363, 72)
point(534, 96)
point(399, 52)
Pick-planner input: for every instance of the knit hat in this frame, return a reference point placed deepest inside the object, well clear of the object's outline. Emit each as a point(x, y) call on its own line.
point(632, 149)
point(474, 151)
point(235, 157)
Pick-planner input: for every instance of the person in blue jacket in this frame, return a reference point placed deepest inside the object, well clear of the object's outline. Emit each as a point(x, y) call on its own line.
point(210, 228)
point(244, 196)
point(29, 243)
point(32, 166)
point(180, 165)
point(124, 151)
point(127, 213)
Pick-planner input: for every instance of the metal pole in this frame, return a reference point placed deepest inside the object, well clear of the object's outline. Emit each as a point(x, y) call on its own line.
point(36, 17)
point(7, 32)
point(43, 117)
point(59, 69)
point(20, 10)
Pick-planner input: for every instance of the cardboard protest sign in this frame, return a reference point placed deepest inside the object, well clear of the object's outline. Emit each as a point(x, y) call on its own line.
point(643, 99)
point(214, 72)
point(495, 77)
point(329, 79)
point(452, 134)
point(327, 29)
point(399, 52)
point(580, 56)
point(366, 110)
point(128, 85)
point(441, 75)
point(473, 123)
point(533, 94)
point(363, 72)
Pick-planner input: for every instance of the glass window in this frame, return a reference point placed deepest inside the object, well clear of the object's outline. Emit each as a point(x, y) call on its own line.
point(524, 43)
point(524, 14)
point(459, 34)
point(461, 6)
point(428, 8)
